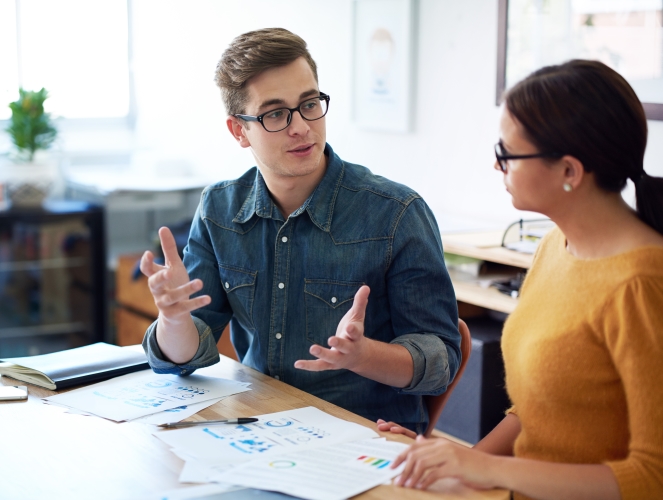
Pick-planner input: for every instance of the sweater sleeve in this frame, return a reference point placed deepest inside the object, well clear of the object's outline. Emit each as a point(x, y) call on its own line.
point(634, 336)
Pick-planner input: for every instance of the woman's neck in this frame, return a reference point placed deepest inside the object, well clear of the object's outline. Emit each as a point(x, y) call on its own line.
point(603, 225)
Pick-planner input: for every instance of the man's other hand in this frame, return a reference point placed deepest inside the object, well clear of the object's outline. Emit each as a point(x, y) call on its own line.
point(348, 348)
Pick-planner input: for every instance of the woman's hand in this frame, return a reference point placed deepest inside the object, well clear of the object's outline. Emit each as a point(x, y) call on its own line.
point(394, 428)
point(429, 460)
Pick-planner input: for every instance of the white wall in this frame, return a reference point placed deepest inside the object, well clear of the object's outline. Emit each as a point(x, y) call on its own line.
point(447, 158)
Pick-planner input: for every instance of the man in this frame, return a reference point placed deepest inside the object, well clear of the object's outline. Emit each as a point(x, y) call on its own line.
point(289, 252)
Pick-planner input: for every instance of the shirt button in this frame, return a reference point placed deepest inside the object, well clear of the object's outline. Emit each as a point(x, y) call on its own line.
point(277, 377)
point(284, 239)
point(278, 336)
point(334, 300)
point(183, 372)
point(281, 286)
point(227, 285)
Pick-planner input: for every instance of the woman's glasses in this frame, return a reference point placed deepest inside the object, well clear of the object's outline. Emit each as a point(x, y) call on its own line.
point(503, 156)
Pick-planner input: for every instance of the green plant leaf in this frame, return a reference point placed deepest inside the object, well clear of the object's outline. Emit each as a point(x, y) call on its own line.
point(30, 128)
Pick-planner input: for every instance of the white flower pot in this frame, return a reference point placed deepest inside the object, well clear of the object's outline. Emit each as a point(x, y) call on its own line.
point(29, 183)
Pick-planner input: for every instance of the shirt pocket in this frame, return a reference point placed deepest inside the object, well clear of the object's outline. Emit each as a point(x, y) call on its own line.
point(239, 285)
point(327, 302)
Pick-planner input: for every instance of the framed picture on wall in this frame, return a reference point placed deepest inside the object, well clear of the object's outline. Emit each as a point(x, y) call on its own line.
point(383, 64)
point(627, 35)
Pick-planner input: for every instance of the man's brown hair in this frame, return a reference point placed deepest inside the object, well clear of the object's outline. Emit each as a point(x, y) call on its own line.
point(252, 53)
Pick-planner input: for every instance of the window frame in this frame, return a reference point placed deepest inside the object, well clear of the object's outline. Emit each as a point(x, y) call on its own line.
point(127, 122)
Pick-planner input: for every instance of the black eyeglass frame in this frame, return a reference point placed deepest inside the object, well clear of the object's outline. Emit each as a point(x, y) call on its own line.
point(260, 117)
point(502, 159)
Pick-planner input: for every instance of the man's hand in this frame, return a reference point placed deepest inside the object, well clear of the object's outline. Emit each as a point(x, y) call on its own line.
point(348, 348)
point(169, 284)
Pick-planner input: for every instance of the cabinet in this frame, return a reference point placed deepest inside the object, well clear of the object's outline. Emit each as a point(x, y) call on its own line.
point(479, 400)
point(52, 278)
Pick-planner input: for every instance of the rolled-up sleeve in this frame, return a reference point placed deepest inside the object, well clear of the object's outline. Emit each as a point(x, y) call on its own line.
point(423, 302)
point(206, 355)
point(429, 371)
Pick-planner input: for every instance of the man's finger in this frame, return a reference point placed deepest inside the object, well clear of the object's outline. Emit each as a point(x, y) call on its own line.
point(159, 281)
point(360, 303)
point(185, 306)
point(147, 265)
point(169, 247)
point(316, 365)
point(179, 294)
point(342, 345)
point(331, 357)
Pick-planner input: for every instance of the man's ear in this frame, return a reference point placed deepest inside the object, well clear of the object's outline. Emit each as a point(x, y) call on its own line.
point(238, 130)
point(574, 172)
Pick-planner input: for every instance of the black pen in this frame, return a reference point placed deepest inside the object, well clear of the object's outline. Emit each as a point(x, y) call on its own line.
point(237, 421)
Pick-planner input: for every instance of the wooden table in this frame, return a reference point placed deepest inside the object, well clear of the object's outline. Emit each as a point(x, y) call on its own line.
point(47, 453)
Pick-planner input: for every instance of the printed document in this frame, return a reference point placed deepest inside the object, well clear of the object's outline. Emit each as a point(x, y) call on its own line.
point(331, 473)
point(146, 393)
point(274, 434)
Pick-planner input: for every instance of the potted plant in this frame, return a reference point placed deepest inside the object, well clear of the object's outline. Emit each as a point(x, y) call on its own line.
point(29, 175)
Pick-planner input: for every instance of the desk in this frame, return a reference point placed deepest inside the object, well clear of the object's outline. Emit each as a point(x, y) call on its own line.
point(51, 454)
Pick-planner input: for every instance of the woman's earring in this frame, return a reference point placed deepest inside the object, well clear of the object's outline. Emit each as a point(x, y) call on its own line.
point(567, 187)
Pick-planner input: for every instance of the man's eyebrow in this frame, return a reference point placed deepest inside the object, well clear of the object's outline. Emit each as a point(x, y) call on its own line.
point(270, 103)
point(281, 102)
point(309, 93)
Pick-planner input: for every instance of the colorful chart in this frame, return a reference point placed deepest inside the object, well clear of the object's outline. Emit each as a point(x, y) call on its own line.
point(379, 463)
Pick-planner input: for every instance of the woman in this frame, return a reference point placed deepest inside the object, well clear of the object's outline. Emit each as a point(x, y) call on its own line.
point(584, 348)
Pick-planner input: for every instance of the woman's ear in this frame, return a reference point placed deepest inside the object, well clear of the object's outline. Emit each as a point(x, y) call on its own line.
point(573, 172)
point(238, 130)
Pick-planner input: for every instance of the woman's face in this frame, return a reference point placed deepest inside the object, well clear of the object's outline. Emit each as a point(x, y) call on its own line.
point(533, 183)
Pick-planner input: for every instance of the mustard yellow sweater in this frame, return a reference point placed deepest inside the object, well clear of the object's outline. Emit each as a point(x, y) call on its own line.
point(583, 355)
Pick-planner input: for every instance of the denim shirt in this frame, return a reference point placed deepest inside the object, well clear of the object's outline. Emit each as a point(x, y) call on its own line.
point(284, 285)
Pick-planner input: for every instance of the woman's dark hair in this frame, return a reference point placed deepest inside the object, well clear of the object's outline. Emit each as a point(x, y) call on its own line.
point(589, 111)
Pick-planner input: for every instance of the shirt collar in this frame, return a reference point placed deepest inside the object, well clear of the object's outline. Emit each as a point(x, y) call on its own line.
point(320, 205)
point(257, 202)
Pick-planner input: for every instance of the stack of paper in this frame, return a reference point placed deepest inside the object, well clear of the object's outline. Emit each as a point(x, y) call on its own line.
point(148, 397)
point(300, 452)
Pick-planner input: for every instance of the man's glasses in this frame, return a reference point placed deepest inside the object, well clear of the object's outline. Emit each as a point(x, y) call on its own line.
point(279, 119)
point(503, 156)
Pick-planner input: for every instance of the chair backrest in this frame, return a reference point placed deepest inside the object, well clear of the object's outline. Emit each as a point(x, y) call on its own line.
point(436, 404)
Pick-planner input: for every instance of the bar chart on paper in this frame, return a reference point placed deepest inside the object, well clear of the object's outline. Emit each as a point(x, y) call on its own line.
point(380, 463)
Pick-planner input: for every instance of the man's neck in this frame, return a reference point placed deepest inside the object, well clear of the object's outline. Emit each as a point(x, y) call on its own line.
point(290, 193)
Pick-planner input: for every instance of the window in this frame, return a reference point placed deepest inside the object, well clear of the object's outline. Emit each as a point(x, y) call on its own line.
point(78, 50)
point(627, 35)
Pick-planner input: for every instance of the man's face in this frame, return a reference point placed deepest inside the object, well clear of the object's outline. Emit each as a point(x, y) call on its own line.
point(298, 150)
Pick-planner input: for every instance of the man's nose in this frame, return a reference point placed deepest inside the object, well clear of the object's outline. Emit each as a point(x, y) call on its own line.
point(297, 124)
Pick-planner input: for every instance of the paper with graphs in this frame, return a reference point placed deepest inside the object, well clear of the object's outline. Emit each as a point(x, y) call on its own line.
point(274, 434)
point(130, 398)
point(335, 472)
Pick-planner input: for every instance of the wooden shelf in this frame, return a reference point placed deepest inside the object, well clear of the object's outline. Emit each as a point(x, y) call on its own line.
point(485, 246)
point(490, 298)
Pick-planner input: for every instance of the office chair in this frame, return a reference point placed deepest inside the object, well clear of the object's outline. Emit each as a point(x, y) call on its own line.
point(435, 404)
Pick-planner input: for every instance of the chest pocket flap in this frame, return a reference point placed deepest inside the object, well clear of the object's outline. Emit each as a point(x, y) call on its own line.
point(233, 278)
point(332, 293)
point(240, 290)
point(326, 303)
